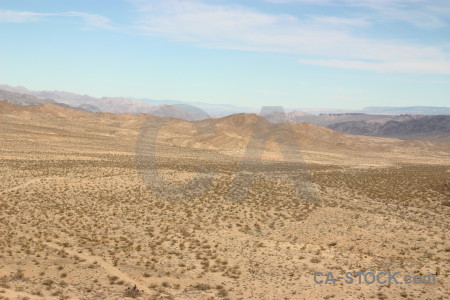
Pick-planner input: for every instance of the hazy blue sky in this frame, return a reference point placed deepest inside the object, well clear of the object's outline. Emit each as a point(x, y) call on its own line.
point(295, 53)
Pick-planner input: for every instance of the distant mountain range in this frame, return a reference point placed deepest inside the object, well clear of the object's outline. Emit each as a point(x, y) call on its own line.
point(408, 127)
point(410, 110)
point(418, 122)
point(114, 104)
point(29, 100)
point(224, 134)
point(411, 127)
point(382, 110)
point(104, 104)
point(145, 105)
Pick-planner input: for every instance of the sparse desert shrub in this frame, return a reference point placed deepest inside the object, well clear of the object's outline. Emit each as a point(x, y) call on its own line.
point(222, 293)
point(48, 282)
point(132, 292)
point(19, 275)
point(4, 282)
point(202, 287)
point(315, 260)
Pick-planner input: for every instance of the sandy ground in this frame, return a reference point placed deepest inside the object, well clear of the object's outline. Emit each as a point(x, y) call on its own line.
point(79, 222)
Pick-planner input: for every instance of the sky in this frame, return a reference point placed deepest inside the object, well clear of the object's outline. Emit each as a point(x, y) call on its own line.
point(296, 53)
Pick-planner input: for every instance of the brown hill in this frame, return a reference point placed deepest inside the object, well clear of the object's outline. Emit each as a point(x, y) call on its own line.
point(229, 134)
point(432, 128)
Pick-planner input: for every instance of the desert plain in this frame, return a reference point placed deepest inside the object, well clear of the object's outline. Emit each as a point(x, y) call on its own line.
point(79, 218)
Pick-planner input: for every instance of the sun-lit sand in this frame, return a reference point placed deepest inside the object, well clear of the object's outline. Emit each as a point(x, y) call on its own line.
point(78, 222)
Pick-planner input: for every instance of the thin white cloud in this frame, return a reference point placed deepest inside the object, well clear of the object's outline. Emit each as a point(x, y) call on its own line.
point(20, 16)
point(89, 20)
point(339, 21)
point(421, 13)
point(375, 4)
point(420, 67)
point(327, 41)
